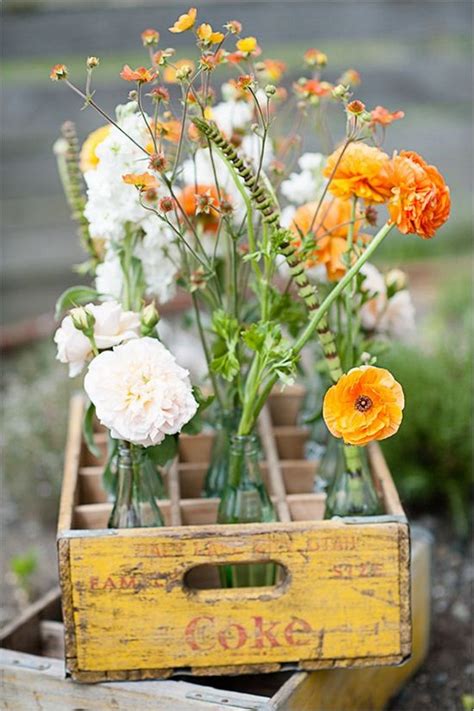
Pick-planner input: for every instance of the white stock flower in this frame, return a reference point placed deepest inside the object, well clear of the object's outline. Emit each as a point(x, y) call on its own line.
point(139, 391)
point(109, 277)
point(112, 326)
point(307, 185)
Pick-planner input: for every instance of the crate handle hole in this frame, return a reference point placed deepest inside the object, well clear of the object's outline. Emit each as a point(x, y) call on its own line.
point(268, 574)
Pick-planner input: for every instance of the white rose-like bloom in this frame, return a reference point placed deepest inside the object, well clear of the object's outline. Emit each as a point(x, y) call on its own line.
point(140, 393)
point(398, 319)
point(230, 116)
point(112, 326)
point(308, 184)
point(373, 284)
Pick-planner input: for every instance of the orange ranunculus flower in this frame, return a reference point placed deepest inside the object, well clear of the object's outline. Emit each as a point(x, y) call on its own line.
point(330, 234)
point(364, 405)
point(185, 22)
point(143, 181)
point(420, 201)
point(384, 117)
point(141, 74)
point(88, 157)
point(360, 172)
point(201, 201)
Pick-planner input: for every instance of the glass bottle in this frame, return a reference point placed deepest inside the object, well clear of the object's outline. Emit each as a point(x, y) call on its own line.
point(135, 504)
point(352, 492)
point(246, 500)
point(328, 464)
point(216, 476)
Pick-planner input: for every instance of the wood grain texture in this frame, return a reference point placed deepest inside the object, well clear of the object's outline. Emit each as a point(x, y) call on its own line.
point(344, 601)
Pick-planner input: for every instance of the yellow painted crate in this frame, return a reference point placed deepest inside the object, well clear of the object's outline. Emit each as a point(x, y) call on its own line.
point(145, 603)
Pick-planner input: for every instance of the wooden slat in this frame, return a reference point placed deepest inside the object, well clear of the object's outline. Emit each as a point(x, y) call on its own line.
point(174, 494)
point(52, 639)
point(23, 634)
point(384, 479)
point(96, 516)
point(71, 463)
point(290, 441)
point(277, 486)
point(285, 404)
point(306, 507)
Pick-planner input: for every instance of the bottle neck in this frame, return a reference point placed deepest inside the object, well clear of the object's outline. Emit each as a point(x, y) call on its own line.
point(243, 464)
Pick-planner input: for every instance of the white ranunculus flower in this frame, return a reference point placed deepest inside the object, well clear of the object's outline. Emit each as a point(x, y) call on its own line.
point(112, 326)
point(373, 284)
point(231, 116)
point(139, 391)
point(307, 185)
point(398, 319)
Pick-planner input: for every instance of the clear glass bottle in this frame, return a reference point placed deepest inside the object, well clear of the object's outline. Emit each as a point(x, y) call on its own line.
point(135, 504)
point(352, 492)
point(217, 473)
point(246, 500)
point(328, 463)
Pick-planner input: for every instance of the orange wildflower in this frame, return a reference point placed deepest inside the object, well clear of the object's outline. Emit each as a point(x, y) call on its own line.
point(384, 117)
point(88, 157)
point(169, 74)
point(167, 131)
point(185, 22)
point(313, 88)
point(201, 201)
point(247, 45)
point(207, 35)
point(272, 69)
point(58, 72)
point(143, 181)
point(314, 58)
point(420, 202)
point(359, 172)
point(330, 234)
point(140, 75)
point(366, 404)
point(150, 37)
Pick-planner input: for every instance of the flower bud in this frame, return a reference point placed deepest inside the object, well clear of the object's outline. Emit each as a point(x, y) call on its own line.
point(166, 204)
point(83, 320)
point(133, 95)
point(270, 90)
point(149, 318)
point(184, 72)
point(150, 37)
point(356, 107)
point(92, 62)
point(58, 72)
point(396, 280)
point(158, 162)
point(234, 27)
point(342, 92)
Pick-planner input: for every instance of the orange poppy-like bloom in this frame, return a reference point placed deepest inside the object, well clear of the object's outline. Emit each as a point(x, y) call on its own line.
point(88, 157)
point(364, 405)
point(272, 69)
point(185, 22)
point(359, 172)
point(314, 58)
point(143, 181)
point(330, 234)
point(420, 201)
point(201, 201)
point(382, 116)
point(313, 89)
point(140, 75)
point(247, 45)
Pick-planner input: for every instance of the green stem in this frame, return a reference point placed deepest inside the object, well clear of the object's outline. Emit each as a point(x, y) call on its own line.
point(348, 295)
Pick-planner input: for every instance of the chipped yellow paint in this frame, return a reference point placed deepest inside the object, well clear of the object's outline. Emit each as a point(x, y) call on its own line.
point(342, 597)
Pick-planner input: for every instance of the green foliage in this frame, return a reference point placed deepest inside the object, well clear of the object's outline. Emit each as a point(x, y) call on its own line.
point(23, 566)
point(75, 296)
point(88, 430)
point(431, 458)
point(224, 350)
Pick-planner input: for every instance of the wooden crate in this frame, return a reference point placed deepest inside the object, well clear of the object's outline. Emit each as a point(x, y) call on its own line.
point(133, 610)
point(32, 670)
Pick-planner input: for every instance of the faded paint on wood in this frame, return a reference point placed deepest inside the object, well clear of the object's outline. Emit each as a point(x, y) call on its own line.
point(344, 600)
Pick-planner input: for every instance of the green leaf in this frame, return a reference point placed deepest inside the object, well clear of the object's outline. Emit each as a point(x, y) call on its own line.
point(74, 296)
point(23, 566)
point(89, 431)
point(164, 452)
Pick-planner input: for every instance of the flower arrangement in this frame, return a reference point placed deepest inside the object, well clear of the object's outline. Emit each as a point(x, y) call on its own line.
point(271, 243)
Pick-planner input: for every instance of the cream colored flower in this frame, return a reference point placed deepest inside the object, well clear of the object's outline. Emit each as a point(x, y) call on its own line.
point(139, 391)
point(112, 326)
